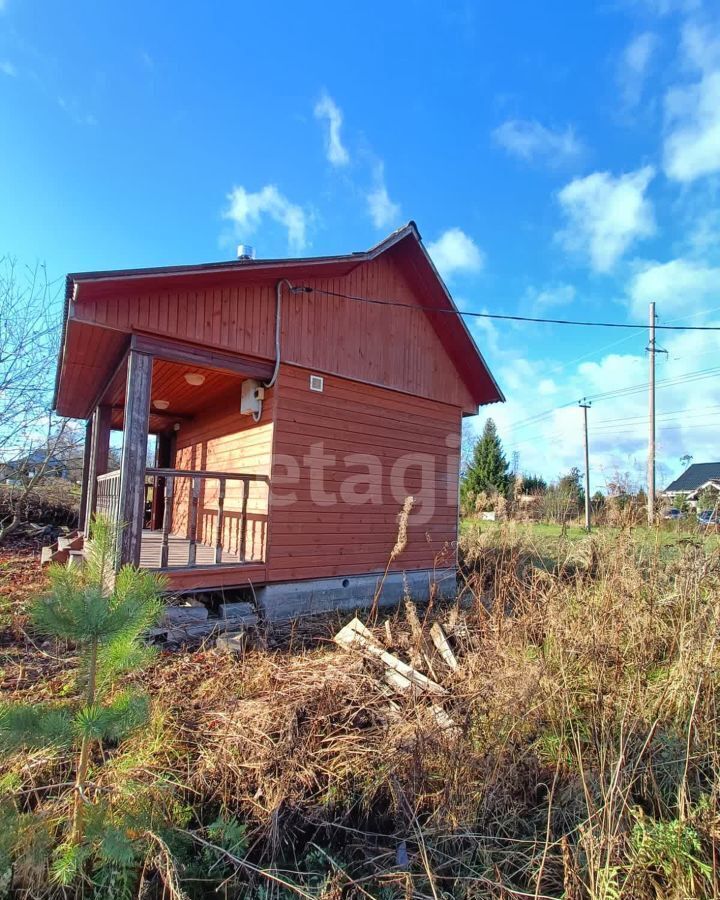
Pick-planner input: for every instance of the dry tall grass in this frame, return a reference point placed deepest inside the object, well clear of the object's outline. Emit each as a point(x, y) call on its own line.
point(583, 762)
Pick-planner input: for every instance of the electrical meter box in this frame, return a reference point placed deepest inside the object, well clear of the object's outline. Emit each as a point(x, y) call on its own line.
point(252, 394)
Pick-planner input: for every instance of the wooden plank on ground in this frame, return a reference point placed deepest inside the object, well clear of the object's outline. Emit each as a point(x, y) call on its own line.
point(444, 649)
point(355, 636)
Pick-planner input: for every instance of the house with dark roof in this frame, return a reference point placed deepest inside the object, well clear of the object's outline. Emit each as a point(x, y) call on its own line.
point(297, 405)
point(695, 479)
point(28, 466)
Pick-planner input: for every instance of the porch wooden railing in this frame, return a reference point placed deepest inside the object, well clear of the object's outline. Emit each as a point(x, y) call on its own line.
point(164, 484)
point(171, 517)
point(107, 503)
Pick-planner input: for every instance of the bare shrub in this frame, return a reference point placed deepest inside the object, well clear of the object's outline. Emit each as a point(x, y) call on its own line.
point(53, 501)
point(32, 438)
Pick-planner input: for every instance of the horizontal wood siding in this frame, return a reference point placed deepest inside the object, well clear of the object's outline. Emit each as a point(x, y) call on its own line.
point(360, 429)
point(370, 342)
point(222, 440)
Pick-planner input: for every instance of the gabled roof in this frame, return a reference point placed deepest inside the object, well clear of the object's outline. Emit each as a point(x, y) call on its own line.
point(405, 245)
point(694, 477)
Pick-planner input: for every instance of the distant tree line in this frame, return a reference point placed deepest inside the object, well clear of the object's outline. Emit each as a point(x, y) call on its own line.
point(488, 485)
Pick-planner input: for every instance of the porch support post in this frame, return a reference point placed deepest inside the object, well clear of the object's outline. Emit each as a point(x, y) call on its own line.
point(134, 456)
point(82, 512)
point(99, 450)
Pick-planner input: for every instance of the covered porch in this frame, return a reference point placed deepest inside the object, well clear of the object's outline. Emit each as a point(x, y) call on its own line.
point(196, 509)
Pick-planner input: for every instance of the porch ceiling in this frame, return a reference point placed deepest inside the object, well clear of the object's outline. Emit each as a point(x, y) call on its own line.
point(90, 356)
point(93, 372)
point(169, 384)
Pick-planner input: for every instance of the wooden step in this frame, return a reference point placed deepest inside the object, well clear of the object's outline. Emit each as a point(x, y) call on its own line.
point(48, 555)
point(59, 551)
point(75, 557)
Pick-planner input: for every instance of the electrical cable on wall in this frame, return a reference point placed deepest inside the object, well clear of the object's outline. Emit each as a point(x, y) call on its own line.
point(278, 332)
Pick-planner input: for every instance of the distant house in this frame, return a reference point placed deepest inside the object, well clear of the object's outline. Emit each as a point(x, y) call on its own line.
point(28, 466)
point(296, 404)
point(694, 480)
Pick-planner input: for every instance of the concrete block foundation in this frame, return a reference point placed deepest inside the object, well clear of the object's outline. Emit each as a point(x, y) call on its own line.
point(282, 602)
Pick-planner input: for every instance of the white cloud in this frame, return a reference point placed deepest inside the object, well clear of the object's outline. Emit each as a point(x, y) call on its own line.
point(551, 296)
point(529, 140)
point(326, 109)
point(7, 68)
point(634, 66)
point(454, 251)
point(701, 47)
point(76, 112)
point(547, 387)
point(247, 209)
point(692, 112)
point(384, 212)
point(704, 233)
point(618, 425)
point(678, 286)
point(667, 7)
point(606, 215)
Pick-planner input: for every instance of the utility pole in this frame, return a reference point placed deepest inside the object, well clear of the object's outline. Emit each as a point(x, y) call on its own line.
point(651, 409)
point(585, 406)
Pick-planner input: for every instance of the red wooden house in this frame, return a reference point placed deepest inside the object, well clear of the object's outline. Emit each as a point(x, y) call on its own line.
point(296, 404)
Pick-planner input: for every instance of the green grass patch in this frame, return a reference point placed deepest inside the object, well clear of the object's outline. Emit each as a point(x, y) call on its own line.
point(547, 536)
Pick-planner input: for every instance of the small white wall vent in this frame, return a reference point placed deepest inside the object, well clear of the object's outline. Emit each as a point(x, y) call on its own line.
point(317, 383)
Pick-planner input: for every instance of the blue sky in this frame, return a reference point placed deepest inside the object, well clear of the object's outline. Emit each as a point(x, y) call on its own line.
point(559, 159)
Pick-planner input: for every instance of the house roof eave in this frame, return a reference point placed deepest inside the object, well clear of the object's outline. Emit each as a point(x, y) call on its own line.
point(81, 285)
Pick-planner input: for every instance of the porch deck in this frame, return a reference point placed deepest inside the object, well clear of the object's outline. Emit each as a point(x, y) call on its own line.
point(205, 574)
point(179, 552)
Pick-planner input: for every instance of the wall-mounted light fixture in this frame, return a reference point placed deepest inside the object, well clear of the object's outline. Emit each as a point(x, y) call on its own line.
point(161, 404)
point(194, 378)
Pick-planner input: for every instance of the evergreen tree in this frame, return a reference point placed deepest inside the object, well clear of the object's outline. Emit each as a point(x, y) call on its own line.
point(534, 484)
point(488, 469)
point(105, 616)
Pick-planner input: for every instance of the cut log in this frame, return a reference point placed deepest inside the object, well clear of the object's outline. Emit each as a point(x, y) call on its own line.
point(355, 636)
point(444, 649)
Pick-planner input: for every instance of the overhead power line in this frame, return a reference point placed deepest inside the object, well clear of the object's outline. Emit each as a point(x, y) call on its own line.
point(692, 412)
point(682, 378)
point(508, 318)
point(663, 428)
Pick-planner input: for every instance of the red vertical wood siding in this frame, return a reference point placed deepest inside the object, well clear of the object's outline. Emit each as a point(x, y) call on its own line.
point(376, 343)
point(311, 539)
